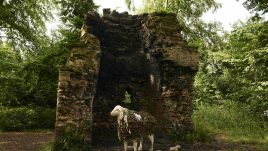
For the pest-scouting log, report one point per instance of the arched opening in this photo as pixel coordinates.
(130, 61)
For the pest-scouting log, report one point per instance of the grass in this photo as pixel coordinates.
(47, 147)
(231, 122)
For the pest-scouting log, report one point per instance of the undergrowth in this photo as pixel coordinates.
(72, 138)
(231, 122)
(46, 147)
(26, 118)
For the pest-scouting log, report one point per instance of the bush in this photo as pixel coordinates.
(46, 147)
(26, 118)
(71, 138)
(232, 122)
(199, 134)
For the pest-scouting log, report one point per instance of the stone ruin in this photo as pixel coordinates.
(144, 55)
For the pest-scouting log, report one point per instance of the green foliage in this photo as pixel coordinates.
(25, 118)
(40, 75)
(248, 36)
(127, 99)
(30, 78)
(10, 82)
(41, 72)
(238, 71)
(198, 134)
(130, 4)
(231, 122)
(188, 9)
(71, 139)
(189, 12)
(257, 5)
(72, 12)
(22, 22)
(47, 147)
(31, 82)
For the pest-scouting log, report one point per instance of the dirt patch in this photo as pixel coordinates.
(32, 141)
(190, 147)
(24, 141)
(216, 145)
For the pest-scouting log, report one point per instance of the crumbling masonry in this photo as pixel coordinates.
(143, 55)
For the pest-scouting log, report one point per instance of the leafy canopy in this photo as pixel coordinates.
(72, 11)
(189, 13)
(238, 71)
(9, 79)
(29, 75)
(22, 22)
(257, 5)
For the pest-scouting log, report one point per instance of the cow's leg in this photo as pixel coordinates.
(125, 145)
(135, 145)
(140, 147)
(151, 137)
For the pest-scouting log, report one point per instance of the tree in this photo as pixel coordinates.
(189, 13)
(130, 4)
(40, 74)
(72, 11)
(22, 22)
(257, 5)
(238, 72)
(31, 79)
(10, 82)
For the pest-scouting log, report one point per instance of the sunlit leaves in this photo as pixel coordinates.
(72, 11)
(22, 22)
(189, 13)
(238, 71)
(186, 8)
(249, 36)
(130, 4)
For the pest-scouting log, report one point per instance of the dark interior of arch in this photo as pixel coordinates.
(143, 55)
(123, 67)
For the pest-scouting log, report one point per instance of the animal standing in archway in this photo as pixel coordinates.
(133, 126)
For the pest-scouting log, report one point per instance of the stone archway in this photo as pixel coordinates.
(142, 54)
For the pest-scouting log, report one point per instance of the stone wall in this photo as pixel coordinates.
(76, 90)
(176, 65)
(144, 55)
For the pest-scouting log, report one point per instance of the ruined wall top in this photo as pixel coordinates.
(170, 45)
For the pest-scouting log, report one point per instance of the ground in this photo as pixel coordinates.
(24, 141)
(32, 141)
(217, 145)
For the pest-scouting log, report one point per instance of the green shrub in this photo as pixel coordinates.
(46, 147)
(26, 118)
(71, 139)
(198, 134)
(232, 122)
